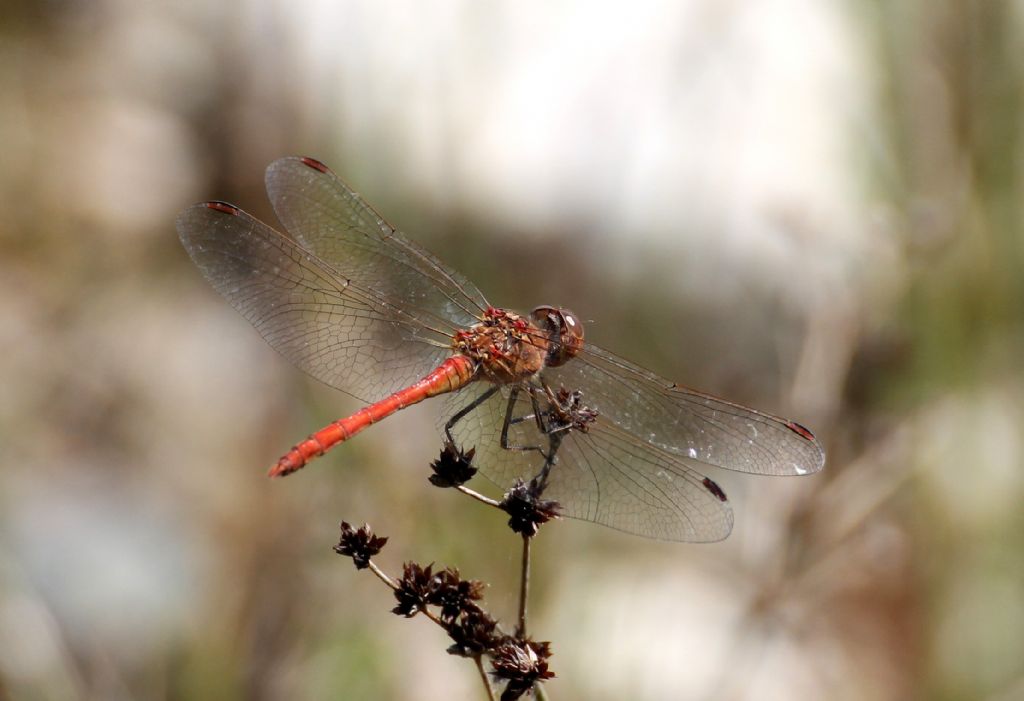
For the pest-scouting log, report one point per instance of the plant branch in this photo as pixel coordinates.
(483, 675)
(478, 496)
(524, 587)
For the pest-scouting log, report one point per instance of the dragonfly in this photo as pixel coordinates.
(356, 304)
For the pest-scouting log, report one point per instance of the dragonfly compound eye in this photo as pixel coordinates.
(565, 333)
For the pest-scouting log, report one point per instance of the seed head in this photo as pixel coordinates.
(453, 594)
(454, 467)
(522, 663)
(474, 633)
(414, 589)
(359, 544)
(526, 509)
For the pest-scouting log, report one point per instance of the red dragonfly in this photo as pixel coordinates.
(350, 300)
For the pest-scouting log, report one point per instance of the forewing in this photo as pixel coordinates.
(604, 475)
(331, 220)
(687, 423)
(349, 337)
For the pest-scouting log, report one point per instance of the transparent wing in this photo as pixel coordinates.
(604, 476)
(687, 423)
(356, 339)
(323, 214)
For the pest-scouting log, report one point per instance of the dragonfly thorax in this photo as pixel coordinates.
(506, 347)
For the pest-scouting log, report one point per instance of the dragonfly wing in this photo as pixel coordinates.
(604, 475)
(340, 333)
(480, 429)
(685, 422)
(607, 476)
(331, 220)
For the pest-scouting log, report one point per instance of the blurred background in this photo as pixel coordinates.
(815, 208)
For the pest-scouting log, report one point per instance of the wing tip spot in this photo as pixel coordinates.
(712, 486)
(801, 431)
(222, 207)
(314, 164)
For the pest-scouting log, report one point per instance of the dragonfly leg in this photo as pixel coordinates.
(465, 410)
(553, 422)
(510, 421)
(540, 417)
(565, 413)
(539, 482)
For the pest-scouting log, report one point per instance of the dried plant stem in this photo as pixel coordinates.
(478, 496)
(517, 660)
(479, 659)
(382, 575)
(524, 587)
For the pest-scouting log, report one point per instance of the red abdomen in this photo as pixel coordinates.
(452, 374)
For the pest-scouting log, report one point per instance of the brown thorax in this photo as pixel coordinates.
(506, 346)
(509, 347)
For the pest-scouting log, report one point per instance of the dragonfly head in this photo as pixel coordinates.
(564, 330)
